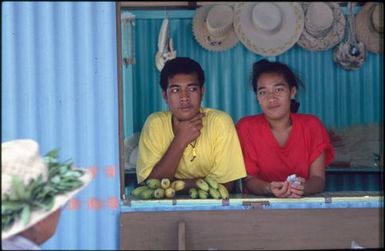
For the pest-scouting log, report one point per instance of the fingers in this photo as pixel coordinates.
(293, 195)
(280, 189)
(296, 191)
(188, 131)
(197, 124)
(297, 188)
(286, 189)
(197, 120)
(198, 116)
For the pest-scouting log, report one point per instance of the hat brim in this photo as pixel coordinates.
(265, 44)
(207, 41)
(36, 216)
(365, 31)
(332, 38)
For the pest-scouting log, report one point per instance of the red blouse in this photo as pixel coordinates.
(268, 161)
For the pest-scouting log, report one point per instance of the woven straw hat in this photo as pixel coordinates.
(324, 26)
(213, 27)
(369, 26)
(21, 159)
(268, 28)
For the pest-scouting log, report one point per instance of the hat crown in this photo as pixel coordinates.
(213, 27)
(219, 19)
(266, 16)
(377, 19)
(21, 158)
(318, 19)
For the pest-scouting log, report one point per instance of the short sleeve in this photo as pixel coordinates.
(320, 142)
(228, 160)
(149, 152)
(248, 151)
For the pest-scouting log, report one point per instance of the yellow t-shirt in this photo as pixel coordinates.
(218, 152)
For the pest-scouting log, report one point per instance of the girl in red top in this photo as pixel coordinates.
(279, 143)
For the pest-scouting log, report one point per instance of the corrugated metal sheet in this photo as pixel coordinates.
(339, 98)
(59, 87)
(361, 179)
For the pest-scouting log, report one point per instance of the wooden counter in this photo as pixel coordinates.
(325, 221)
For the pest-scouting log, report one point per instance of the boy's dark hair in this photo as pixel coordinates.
(179, 65)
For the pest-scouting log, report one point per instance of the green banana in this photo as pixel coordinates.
(153, 183)
(137, 191)
(169, 192)
(165, 183)
(159, 193)
(212, 182)
(223, 191)
(147, 194)
(201, 184)
(193, 193)
(214, 193)
(202, 194)
(178, 185)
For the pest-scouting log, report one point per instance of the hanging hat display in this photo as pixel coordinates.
(268, 28)
(324, 26)
(369, 26)
(213, 27)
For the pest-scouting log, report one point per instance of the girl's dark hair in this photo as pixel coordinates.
(265, 66)
(179, 65)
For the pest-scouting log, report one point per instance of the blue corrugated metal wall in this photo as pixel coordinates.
(339, 98)
(59, 87)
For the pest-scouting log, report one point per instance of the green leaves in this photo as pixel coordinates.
(25, 214)
(38, 194)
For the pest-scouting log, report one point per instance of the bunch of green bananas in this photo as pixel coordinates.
(208, 188)
(158, 189)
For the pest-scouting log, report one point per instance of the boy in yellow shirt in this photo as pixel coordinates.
(188, 141)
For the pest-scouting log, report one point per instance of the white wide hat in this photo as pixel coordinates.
(213, 27)
(268, 28)
(21, 166)
(370, 26)
(324, 26)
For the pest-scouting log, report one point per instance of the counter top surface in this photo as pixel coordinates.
(356, 199)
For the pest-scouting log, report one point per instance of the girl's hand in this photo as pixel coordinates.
(280, 189)
(297, 189)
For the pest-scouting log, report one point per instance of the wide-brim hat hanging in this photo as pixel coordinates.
(268, 28)
(324, 26)
(369, 26)
(213, 27)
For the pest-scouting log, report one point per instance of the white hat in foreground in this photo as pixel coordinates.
(370, 26)
(268, 28)
(32, 186)
(324, 26)
(213, 27)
